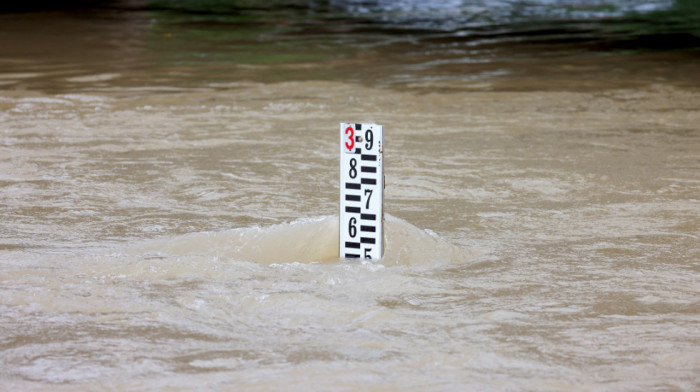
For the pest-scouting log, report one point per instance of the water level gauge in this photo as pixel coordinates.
(361, 191)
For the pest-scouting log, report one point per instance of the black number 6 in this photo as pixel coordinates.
(351, 227)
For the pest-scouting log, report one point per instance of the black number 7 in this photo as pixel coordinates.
(368, 197)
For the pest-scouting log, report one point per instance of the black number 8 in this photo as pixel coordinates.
(353, 170)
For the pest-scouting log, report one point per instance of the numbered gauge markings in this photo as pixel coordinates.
(361, 191)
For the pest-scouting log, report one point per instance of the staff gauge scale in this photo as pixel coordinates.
(361, 191)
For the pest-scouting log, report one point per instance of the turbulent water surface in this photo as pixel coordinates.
(169, 196)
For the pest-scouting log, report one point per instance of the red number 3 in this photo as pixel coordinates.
(351, 143)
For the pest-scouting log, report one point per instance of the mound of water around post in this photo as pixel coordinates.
(308, 240)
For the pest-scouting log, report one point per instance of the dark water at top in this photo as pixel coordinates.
(513, 45)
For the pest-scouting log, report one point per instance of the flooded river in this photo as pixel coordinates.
(169, 196)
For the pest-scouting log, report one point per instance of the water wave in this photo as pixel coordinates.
(308, 240)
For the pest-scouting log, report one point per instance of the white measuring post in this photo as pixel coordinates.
(361, 191)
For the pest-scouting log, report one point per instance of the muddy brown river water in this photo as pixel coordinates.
(169, 197)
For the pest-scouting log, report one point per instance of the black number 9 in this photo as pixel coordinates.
(370, 138)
